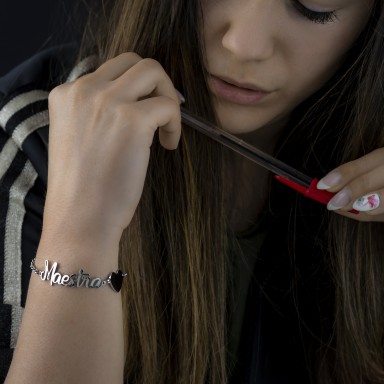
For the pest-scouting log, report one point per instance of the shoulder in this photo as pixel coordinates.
(42, 70)
(45, 70)
(24, 91)
(24, 123)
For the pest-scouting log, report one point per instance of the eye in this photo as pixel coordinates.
(316, 17)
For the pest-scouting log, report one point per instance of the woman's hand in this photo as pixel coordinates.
(101, 130)
(358, 185)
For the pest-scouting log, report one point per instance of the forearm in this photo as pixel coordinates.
(100, 137)
(71, 334)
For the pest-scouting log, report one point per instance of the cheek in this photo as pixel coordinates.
(212, 11)
(313, 59)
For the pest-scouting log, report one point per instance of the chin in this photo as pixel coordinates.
(241, 120)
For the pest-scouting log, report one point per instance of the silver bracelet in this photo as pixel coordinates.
(114, 280)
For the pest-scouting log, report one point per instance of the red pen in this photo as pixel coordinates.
(283, 172)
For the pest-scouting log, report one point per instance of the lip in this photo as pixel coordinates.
(237, 92)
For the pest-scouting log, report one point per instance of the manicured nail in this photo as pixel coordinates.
(367, 202)
(340, 200)
(181, 97)
(329, 180)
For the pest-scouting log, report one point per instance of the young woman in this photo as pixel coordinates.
(230, 276)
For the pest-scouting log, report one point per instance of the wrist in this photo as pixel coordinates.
(53, 274)
(81, 226)
(75, 250)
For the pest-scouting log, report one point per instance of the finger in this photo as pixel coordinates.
(146, 78)
(370, 207)
(363, 216)
(341, 176)
(116, 67)
(162, 113)
(358, 187)
(371, 203)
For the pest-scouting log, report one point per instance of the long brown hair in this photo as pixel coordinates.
(346, 113)
(358, 249)
(175, 249)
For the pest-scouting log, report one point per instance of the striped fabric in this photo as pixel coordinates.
(23, 178)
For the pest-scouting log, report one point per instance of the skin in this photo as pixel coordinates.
(358, 178)
(270, 44)
(98, 157)
(123, 103)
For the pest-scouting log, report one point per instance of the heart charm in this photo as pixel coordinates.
(116, 280)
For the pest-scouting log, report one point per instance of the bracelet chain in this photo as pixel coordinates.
(114, 280)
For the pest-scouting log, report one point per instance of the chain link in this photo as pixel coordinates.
(81, 279)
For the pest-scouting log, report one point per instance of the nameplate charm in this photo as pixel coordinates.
(81, 279)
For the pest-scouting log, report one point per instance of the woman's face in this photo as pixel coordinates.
(267, 56)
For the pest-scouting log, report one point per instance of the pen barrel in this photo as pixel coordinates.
(311, 191)
(319, 195)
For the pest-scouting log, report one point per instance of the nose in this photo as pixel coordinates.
(250, 31)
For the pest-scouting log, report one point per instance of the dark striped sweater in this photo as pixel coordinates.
(23, 178)
(271, 349)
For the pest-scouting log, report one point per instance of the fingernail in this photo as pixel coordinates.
(340, 200)
(367, 202)
(329, 180)
(181, 97)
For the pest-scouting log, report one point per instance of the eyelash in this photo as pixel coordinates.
(316, 17)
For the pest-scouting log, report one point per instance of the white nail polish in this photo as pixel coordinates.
(321, 185)
(329, 180)
(340, 200)
(181, 97)
(332, 207)
(367, 203)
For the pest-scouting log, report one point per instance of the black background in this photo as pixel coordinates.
(29, 26)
